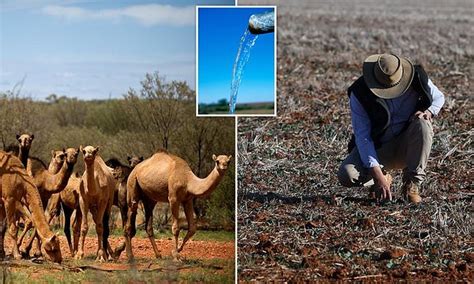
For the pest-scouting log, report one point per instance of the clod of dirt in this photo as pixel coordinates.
(264, 241)
(461, 267)
(469, 257)
(340, 273)
(311, 225)
(366, 223)
(393, 253)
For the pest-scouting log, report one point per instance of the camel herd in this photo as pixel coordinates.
(28, 186)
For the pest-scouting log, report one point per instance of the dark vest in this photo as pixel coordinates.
(377, 108)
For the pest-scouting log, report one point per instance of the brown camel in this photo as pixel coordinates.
(68, 199)
(96, 194)
(48, 184)
(168, 178)
(121, 173)
(18, 187)
(24, 143)
(57, 161)
(55, 165)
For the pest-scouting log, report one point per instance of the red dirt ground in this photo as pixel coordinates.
(142, 248)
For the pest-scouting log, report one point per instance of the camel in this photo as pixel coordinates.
(121, 173)
(96, 194)
(68, 199)
(18, 187)
(48, 184)
(57, 160)
(168, 178)
(24, 143)
(134, 160)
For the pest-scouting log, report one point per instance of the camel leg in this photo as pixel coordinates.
(76, 227)
(67, 227)
(25, 250)
(27, 221)
(10, 207)
(130, 229)
(54, 207)
(98, 217)
(28, 226)
(3, 228)
(122, 203)
(174, 205)
(107, 248)
(133, 196)
(38, 252)
(189, 211)
(84, 228)
(149, 206)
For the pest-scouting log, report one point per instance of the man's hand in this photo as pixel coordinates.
(382, 183)
(426, 115)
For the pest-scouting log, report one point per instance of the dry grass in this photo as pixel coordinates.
(295, 221)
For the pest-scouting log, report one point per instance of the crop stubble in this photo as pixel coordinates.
(295, 221)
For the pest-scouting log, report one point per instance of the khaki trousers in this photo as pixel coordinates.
(408, 151)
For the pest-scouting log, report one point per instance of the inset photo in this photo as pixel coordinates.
(236, 61)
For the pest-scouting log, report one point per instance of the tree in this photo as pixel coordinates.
(158, 107)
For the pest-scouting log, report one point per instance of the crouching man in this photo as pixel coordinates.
(392, 107)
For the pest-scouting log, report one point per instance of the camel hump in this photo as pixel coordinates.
(162, 150)
(36, 165)
(114, 163)
(13, 148)
(104, 174)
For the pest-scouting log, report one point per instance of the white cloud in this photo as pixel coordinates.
(148, 15)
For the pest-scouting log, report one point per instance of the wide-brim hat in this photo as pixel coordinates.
(387, 75)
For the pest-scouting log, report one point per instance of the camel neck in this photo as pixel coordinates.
(90, 178)
(54, 167)
(63, 175)
(34, 204)
(55, 183)
(23, 154)
(207, 185)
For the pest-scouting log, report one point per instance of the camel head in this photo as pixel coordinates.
(71, 155)
(51, 249)
(222, 162)
(89, 153)
(134, 160)
(25, 140)
(58, 157)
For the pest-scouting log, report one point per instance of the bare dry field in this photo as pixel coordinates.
(295, 221)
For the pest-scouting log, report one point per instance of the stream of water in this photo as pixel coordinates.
(247, 41)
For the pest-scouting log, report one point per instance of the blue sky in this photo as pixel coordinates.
(95, 49)
(220, 30)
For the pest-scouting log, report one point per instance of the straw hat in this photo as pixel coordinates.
(387, 75)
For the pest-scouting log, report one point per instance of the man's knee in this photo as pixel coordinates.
(423, 127)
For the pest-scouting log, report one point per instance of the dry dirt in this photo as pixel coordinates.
(202, 261)
(142, 248)
(296, 223)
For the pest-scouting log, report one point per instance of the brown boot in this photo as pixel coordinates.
(375, 192)
(411, 192)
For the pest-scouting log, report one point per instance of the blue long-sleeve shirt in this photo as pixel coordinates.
(401, 109)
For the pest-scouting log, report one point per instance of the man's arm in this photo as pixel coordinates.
(362, 127)
(438, 99)
(436, 104)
